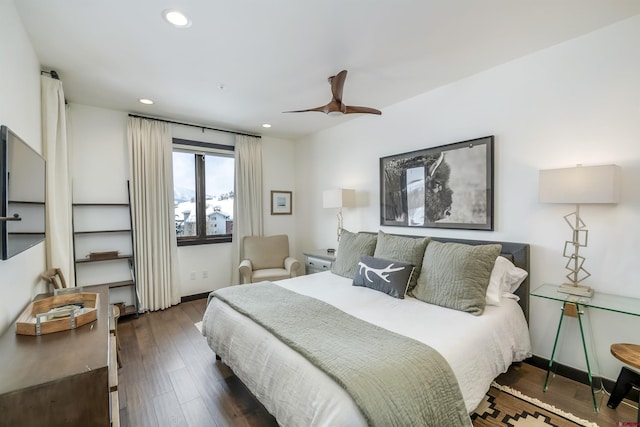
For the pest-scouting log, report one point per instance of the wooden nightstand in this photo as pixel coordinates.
(318, 261)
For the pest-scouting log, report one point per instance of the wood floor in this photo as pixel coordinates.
(169, 377)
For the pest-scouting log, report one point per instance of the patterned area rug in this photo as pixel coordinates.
(504, 406)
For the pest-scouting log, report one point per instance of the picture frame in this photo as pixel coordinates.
(450, 186)
(281, 202)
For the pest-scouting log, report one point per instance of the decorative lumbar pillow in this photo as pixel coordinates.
(404, 249)
(387, 276)
(455, 275)
(351, 248)
(505, 280)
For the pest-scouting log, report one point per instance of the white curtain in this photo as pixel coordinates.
(59, 231)
(247, 205)
(155, 247)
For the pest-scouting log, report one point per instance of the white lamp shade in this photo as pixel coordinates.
(338, 198)
(580, 185)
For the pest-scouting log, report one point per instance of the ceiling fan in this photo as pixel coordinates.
(336, 105)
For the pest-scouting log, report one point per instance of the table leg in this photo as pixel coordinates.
(586, 358)
(553, 352)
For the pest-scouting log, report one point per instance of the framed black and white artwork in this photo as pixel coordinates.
(450, 186)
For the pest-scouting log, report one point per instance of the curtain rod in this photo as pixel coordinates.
(192, 125)
(52, 73)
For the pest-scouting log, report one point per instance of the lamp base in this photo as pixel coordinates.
(583, 291)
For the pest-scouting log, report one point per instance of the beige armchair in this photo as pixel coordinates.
(267, 258)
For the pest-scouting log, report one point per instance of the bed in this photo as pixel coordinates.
(296, 388)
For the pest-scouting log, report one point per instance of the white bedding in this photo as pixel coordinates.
(478, 348)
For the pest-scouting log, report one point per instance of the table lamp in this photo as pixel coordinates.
(339, 198)
(578, 185)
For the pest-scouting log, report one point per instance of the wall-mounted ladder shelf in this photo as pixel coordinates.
(103, 251)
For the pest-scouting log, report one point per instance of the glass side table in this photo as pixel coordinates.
(573, 306)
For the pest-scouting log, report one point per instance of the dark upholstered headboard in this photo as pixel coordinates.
(518, 253)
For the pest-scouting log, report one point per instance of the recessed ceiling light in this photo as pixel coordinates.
(266, 125)
(145, 101)
(176, 18)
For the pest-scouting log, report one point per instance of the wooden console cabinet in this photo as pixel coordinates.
(63, 378)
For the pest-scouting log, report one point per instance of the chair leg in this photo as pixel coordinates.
(625, 381)
(116, 316)
(118, 349)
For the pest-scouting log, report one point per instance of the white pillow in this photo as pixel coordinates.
(505, 280)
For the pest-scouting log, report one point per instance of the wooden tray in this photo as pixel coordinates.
(32, 320)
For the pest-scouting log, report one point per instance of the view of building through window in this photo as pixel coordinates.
(210, 174)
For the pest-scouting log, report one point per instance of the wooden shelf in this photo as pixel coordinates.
(119, 284)
(102, 231)
(86, 260)
(113, 285)
(102, 204)
(22, 202)
(26, 233)
(128, 310)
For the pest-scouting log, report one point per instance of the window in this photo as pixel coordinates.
(203, 185)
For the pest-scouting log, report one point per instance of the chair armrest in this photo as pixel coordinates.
(246, 271)
(292, 265)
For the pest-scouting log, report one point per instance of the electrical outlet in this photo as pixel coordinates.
(193, 275)
(205, 274)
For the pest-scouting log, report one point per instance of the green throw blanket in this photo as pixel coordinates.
(394, 380)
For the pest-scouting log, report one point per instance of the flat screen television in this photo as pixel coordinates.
(23, 188)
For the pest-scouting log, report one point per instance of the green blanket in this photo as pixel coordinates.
(394, 380)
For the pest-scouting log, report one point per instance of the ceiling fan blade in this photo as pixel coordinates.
(337, 85)
(323, 109)
(363, 110)
(331, 107)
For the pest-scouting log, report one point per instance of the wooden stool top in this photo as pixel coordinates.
(627, 353)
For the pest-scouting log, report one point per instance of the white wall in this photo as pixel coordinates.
(20, 111)
(577, 102)
(99, 165)
(279, 174)
(101, 168)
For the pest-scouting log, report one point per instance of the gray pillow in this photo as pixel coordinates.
(389, 277)
(403, 249)
(351, 248)
(456, 276)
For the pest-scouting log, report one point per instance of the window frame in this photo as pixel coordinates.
(200, 149)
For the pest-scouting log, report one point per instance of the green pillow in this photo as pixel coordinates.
(456, 276)
(351, 248)
(403, 249)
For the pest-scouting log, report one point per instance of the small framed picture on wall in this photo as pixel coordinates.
(281, 202)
